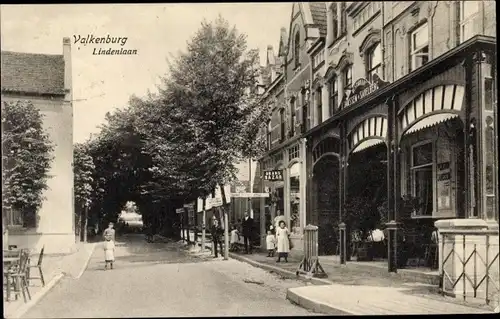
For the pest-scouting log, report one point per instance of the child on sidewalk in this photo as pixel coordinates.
(270, 243)
(109, 252)
(235, 238)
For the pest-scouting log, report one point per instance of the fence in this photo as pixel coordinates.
(310, 265)
(469, 263)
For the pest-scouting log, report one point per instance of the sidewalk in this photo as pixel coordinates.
(54, 269)
(361, 281)
(370, 300)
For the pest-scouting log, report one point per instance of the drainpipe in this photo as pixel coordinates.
(382, 40)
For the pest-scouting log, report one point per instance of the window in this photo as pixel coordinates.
(297, 49)
(468, 11)
(343, 19)
(319, 105)
(268, 134)
(14, 217)
(318, 58)
(305, 118)
(282, 124)
(292, 112)
(367, 13)
(334, 95)
(419, 53)
(421, 175)
(335, 21)
(374, 62)
(490, 150)
(347, 79)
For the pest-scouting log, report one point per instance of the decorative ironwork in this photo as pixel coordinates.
(464, 258)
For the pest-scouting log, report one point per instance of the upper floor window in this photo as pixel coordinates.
(282, 124)
(468, 11)
(347, 74)
(335, 20)
(334, 95)
(362, 17)
(319, 105)
(296, 49)
(268, 134)
(419, 47)
(343, 18)
(292, 113)
(318, 58)
(374, 61)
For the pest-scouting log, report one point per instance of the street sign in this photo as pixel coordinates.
(179, 210)
(275, 175)
(250, 195)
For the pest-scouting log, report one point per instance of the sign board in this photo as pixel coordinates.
(214, 202)
(274, 175)
(362, 88)
(179, 210)
(190, 210)
(250, 195)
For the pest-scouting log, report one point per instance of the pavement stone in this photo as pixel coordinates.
(370, 300)
(54, 268)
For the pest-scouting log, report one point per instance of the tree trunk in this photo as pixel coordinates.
(85, 223)
(225, 208)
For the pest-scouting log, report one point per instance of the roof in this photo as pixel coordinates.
(318, 11)
(32, 73)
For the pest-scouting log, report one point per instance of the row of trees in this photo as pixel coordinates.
(172, 147)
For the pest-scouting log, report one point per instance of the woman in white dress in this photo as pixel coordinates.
(283, 245)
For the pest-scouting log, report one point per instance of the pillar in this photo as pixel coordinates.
(393, 183)
(342, 194)
(263, 230)
(286, 188)
(303, 184)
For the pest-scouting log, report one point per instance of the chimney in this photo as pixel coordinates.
(270, 60)
(68, 79)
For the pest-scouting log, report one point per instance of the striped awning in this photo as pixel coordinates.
(366, 144)
(443, 100)
(431, 121)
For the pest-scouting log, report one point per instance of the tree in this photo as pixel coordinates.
(83, 167)
(26, 158)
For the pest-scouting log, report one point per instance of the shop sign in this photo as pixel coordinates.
(362, 88)
(274, 175)
(179, 210)
(250, 195)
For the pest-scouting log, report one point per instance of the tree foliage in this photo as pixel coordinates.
(26, 158)
(169, 148)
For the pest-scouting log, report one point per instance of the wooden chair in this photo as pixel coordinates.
(39, 266)
(18, 276)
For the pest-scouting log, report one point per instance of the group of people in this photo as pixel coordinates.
(109, 246)
(278, 240)
(244, 227)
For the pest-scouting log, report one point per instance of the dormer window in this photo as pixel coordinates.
(296, 49)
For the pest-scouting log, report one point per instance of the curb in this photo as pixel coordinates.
(36, 298)
(87, 262)
(285, 273)
(316, 306)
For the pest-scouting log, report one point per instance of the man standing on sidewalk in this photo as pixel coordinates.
(216, 232)
(247, 226)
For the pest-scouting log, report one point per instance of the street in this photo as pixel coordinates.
(163, 280)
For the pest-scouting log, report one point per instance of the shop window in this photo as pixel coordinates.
(419, 47)
(334, 95)
(296, 49)
(468, 12)
(422, 178)
(282, 124)
(295, 198)
(374, 61)
(319, 106)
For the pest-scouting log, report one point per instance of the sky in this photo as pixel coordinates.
(157, 31)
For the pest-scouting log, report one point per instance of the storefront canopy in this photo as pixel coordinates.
(431, 121)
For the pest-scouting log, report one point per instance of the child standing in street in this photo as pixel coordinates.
(109, 252)
(270, 243)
